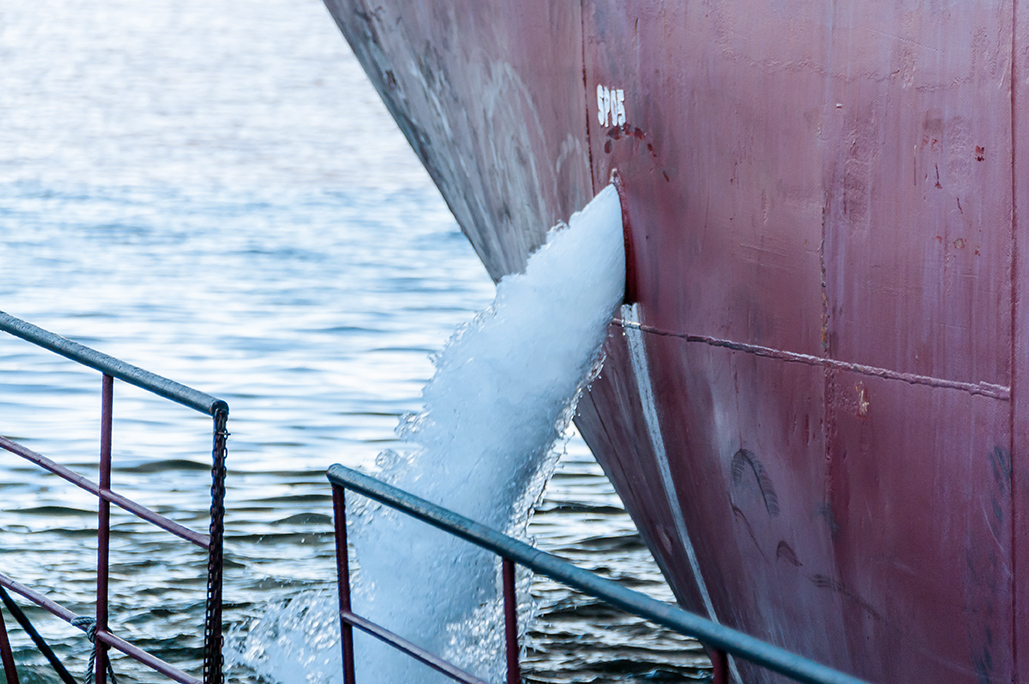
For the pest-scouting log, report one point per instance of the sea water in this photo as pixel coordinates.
(213, 191)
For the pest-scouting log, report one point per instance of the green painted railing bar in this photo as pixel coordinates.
(169, 389)
(689, 624)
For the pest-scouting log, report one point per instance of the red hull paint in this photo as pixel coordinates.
(825, 251)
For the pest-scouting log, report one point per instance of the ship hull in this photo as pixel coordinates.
(811, 407)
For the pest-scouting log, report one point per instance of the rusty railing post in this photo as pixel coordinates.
(514, 670)
(720, 667)
(6, 654)
(104, 526)
(339, 509)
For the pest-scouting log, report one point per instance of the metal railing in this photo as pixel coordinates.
(722, 640)
(112, 369)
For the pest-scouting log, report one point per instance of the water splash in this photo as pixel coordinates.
(293, 643)
(504, 390)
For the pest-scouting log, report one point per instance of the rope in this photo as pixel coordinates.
(89, 624)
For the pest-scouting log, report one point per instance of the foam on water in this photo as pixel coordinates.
(504, 390)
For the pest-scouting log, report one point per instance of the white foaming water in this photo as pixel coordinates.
(504, 390)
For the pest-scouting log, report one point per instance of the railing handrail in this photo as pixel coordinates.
(112, 369)
(667, 615)
(169, 389)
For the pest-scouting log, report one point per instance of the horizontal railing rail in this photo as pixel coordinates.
(81, 354)
(122, 502)
(97, 627)
(721, 639)
(82, 622)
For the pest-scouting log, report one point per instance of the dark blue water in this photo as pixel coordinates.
(214, 192)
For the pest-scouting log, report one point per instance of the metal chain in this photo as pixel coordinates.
(213, 619)
(89, 624)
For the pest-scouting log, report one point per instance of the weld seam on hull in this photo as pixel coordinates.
(641, 369)
(985, 389)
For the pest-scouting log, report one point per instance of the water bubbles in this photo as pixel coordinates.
(504, 391)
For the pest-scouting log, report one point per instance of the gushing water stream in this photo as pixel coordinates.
(504, 390)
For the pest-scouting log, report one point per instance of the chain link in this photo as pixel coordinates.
(213, 619)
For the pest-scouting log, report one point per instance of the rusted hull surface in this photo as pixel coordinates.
(816, 406)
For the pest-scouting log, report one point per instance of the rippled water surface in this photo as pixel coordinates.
(212, 190)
